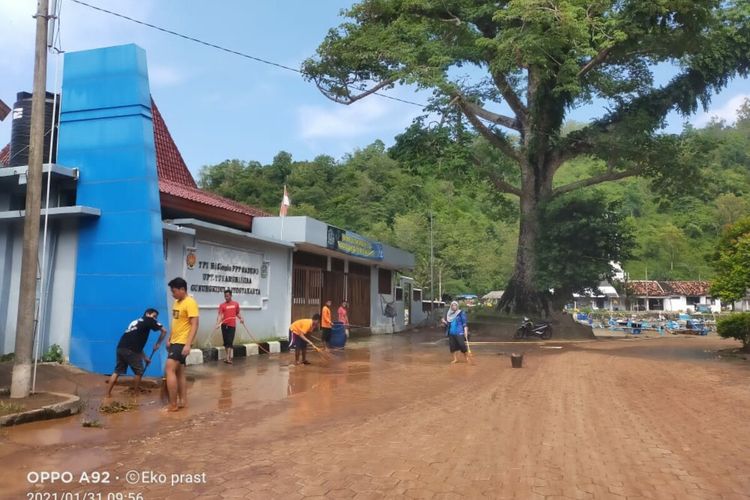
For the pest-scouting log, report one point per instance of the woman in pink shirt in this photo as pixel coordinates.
(344, 315)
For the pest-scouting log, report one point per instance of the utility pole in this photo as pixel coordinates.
(440, 284)
(432, 268)
(21, 378)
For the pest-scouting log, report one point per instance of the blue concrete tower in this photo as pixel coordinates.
(106, 131)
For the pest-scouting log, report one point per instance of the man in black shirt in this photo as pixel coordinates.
(130, 348)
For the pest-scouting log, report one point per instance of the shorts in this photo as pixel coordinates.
(175, 353)
(325, 334)
(125, 358)
(298, 342)
(457, 343)
(227, 334)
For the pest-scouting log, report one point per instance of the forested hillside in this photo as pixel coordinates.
(389, 194)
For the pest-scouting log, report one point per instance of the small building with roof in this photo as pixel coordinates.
(671, 296)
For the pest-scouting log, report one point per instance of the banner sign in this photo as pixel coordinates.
(216, 268)
(353, 244)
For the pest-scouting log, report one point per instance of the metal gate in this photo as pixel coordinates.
(307, 288)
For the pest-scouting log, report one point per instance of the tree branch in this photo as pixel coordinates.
(594, 62)
(510, 96)
(505, 121)
(500, 184)
(504, 186)
(493, 138)
(682, 93)
(349, 98)
(597, 179)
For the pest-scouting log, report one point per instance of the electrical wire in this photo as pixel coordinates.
(225, 49)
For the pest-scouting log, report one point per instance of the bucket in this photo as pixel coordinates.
(338, 335)
(516, 360)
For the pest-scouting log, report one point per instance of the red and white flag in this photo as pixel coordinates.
(285, 202)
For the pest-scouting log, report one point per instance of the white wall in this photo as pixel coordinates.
(382, 324)
(675, 304)
(55, 323)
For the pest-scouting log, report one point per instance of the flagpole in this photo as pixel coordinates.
(282, 211)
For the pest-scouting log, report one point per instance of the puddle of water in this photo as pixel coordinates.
(250, 383)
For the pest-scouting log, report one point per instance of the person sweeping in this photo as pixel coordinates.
(457, 330)
(130, 348)
(298, 332)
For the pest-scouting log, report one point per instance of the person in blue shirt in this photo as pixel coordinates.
(457, 330)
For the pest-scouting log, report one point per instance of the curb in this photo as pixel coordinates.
(58, 410)
(206, 354)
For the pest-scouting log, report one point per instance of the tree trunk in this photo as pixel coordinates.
(521, 295)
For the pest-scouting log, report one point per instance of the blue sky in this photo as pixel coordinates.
(220, 106)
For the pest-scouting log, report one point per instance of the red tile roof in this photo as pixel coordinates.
(650, 288)
(169, 162)
(668, 288)
(207, 198)
(175, 179)
(687, 288)
(5, 156)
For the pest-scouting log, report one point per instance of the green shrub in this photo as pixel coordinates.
(54, 354)
(736, 326)
(7, 357)
(7, 408)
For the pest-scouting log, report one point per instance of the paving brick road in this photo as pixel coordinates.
(662, 418)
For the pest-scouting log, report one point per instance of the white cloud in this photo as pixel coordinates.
(368, 116)
(727, 112)
(165, 76)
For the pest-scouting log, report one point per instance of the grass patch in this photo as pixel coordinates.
(117, 407)
(7, 357)
(7, 408)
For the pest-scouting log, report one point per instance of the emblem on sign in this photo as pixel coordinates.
(191, 259)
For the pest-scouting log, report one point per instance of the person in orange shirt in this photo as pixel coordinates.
(326, 323)
(298, 332)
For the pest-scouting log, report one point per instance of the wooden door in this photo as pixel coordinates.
(359, 299)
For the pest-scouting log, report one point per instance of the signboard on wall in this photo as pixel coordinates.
(216, 268)
(353, 244)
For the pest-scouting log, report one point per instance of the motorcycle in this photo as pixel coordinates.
(529, 329)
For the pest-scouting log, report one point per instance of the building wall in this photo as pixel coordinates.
(54, 327)
(266, 314)
(106, 131)
(675, 304)
(380, 323)
(11, 241)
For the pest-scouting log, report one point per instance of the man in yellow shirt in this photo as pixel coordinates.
(184, 328)
(298, 332)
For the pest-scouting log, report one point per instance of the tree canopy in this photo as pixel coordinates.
(732, 260)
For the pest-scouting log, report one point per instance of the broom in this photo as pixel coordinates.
(468, 348)
(255, 340)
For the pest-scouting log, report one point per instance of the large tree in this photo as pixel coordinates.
(516, 68)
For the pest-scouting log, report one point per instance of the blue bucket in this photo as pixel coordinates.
(338, 335)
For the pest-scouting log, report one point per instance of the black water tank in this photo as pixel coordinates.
(21, 129)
